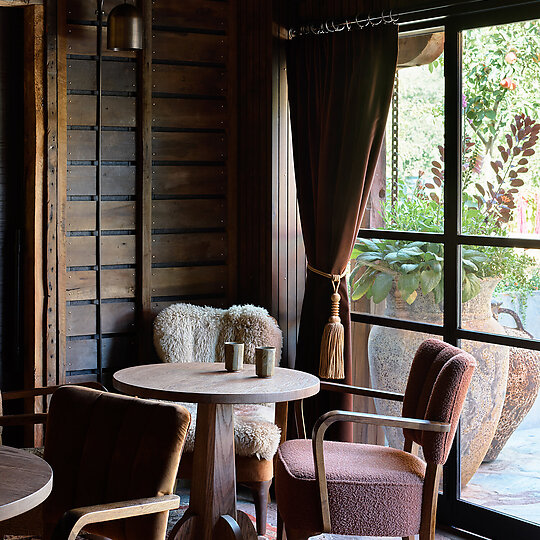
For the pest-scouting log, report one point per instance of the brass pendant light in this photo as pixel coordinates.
(124, 28)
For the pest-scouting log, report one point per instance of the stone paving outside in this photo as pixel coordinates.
(511, 483)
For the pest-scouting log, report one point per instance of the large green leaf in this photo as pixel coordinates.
(366, 245)
(411, 251)
(470, 287)
(362, 285)
(408, 283)
(368, 256)
(429, 279)
(407, 268)
(381, 287)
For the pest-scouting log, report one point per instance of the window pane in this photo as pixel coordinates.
(500, 431)
(501, 291)
(398, 279)
(501, 103)
(382, 359)
(407, 192)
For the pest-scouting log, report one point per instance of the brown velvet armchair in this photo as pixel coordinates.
(114, 461)
(370, 490)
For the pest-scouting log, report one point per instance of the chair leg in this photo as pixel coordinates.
(429, 501)
(260, 491)
(281, 535)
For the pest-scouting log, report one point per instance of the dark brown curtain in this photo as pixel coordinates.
(340, 88)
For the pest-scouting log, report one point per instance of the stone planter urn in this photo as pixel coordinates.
(391, 350)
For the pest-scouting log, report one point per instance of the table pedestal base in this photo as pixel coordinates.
(212, 510)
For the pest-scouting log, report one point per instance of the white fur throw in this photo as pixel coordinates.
(189, 333)
(255, 433)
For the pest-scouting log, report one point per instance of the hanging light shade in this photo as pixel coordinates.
(124, 28)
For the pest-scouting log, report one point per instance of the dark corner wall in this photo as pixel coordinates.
(11, 197)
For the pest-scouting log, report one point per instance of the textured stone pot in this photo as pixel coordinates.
(391, 351)
(521, 392)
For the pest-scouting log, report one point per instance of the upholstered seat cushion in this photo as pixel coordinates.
(255, 433)
(370, 488)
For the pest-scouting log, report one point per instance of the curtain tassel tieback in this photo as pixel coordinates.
(331, 363)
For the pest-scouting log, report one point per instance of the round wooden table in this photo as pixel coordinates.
(25, 481)
(212, 509)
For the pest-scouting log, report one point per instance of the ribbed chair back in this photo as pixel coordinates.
(436, 389)
(104, 448)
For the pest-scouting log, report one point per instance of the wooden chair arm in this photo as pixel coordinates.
(23, 419)
(74, 520)
(45, 390)
(327, 419)
(343, 389)
(360, 391)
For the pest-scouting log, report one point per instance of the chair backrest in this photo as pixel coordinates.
(104, 448)
(436, 390)
(189, 333)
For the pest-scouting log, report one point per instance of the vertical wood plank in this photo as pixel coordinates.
(144, 186)
(51, 194)
(232, 155)
(61, 191)
(34, 152)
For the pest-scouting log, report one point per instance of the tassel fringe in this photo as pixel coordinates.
(331, 363)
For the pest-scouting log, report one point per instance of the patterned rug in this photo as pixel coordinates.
(245, 504)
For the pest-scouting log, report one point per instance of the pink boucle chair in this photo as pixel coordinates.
(371, 490)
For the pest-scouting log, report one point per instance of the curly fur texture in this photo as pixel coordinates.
(189, 333)
(255, 433)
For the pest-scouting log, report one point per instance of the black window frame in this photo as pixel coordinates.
(453, 511)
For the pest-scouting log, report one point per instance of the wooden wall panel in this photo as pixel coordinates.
(189, 47)
(115, 249)
(190, 180)
(203, 14)
(190, 80)
(81, 40)
(117, 76)
(117, 145)
(170, 146)
(115, 180)
(117, 283)
(167, 177)
(188, 113)
(288, 257)
(194, 169)
(115, 215)
(118, 317)
(188, 214)
(189, 248)
(189, 280)
(116, 111)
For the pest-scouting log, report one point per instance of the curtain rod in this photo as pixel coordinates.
(404, 17)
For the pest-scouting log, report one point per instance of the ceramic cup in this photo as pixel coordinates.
(265, 358)
(234, 356)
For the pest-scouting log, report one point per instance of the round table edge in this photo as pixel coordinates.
(233, 399)
(21, 506)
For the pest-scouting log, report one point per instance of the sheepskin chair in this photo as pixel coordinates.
(189, 333)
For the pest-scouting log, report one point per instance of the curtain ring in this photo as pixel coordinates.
(348, 25)
(372, 21)
(389, 20)
(359, 23)
(327, 26)
(395, 19)
(339, 27)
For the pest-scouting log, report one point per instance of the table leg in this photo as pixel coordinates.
(213, 483)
